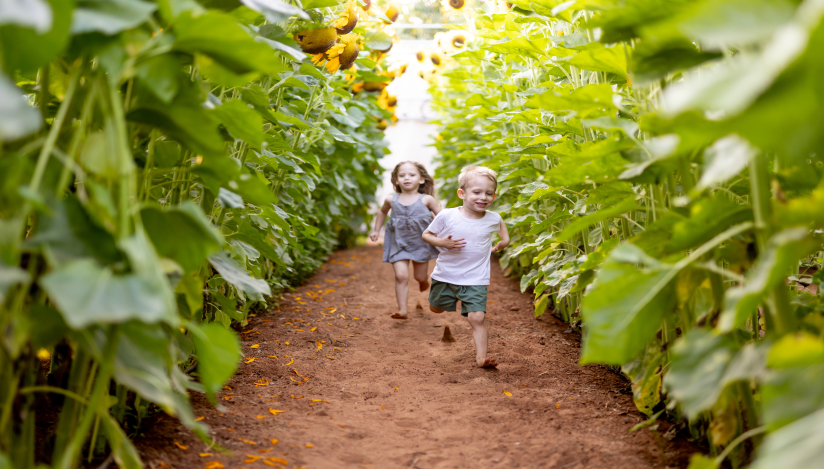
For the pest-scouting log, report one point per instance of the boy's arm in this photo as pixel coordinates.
(432, 204)
(504, 234)
(379, 219)
(448, 242)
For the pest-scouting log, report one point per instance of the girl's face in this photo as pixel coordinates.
(409, 178)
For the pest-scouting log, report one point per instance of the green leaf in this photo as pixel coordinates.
(703, 364)
(799, 445)
(624, 306)
(218, 353)
(124, 453)
(309, 4)
(183, 120)
(110, 16)
(233, 274)
(9, 277)
(699, 461)
(585, 222)
(599, 58)
(541, 305)
(161, 74)
(241, 121)
(784, 250)
(793, 350)
(275, 11)
(105, 155)
(726, 158)
(194, 240)
(378, 40)
(32, 14)
(86, 294)
(219, 36)
(24, 49)
(583, 99)
(296, 54)
(17, 117)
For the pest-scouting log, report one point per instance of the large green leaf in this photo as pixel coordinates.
(799, 445)
(109, 16)
(624, 306)
(783, 252)
(219, 36)
(9, 277)
(27, 49)
(218, 353)
(704, 363)
(602, 59)
(33, 14)
(606, 213)
(233, 274)
(194, 240)
(584, 99)
(17, 117)
(241, 121)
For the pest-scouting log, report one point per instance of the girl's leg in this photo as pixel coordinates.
(401, 288)
(480, 332)
(421, 272)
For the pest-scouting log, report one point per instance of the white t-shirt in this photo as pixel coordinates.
(469, 265)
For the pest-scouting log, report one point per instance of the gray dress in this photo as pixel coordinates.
(402, 239)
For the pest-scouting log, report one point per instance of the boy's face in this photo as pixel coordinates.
(479, 194)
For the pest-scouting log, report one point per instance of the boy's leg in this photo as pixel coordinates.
(421, 273)
(401, 288)
(480, 332)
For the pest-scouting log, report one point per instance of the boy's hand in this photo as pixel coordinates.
(452, 244)
(374, 236)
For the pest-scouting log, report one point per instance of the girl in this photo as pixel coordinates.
(413, 206)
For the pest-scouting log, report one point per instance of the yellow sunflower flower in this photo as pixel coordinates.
(340, 56)
(456, 5)
(348, 18)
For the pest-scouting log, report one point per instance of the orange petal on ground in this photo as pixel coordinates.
(290, 361)
(249, 360)
(204, 455)
(330, 281)
(396, 388)
(164, 465)
(183, 447)
(213, 465)
(260, 417)
(199, 419)
(297, 397)
(273, 356)
(310, 445)
(262, 382)
(558, 405)
(341, 426)
(267, 461)
(254, 346)
(275, 412)
(313, 329)
(317, 400)
(327, 356)
(275, 441)
(507, 393)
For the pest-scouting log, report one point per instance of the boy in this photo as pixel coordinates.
(463, 235)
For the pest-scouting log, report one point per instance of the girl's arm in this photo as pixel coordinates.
(504, 234)
(379, 219)
(432, 204)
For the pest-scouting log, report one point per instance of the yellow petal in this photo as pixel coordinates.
(507, 393)
(275, 412)
(184, 448)
(290, 361)
(310, 445)
(199, 419)
(254, 346)
(275, 440)
(249, 360)
(204, 455)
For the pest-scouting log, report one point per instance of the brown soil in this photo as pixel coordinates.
(388, 393)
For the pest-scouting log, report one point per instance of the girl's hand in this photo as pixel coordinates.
(452, 244)
(498, 247)
(374, 236)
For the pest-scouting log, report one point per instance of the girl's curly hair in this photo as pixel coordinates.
(428, 186)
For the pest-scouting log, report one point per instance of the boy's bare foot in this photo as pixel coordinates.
(488, 363)
(435, 310)
(447, 334)
(424, 285)
(399, 316)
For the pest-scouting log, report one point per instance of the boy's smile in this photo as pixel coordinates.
(478, 195)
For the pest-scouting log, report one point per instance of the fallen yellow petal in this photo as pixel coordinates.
(204, 455)
(317, 400)
(313, 329)
(249, 360)
(327, 356)
(273, 356)
(341, 426)
(184, 448)
(275, 440)
(507, 393)
(290, 361)
(558, 405)
(310, 445)
(254, 346)
(298, 397)
(213, 465)
(261, 417)
(275, 412)
(262, 382)
(277, 460)
(199, 419)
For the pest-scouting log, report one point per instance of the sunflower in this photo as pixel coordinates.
(348, 18)
(420, 55)
(316, 41)
(456, 5)
(436, 59)
(392, 13)
(340, 56)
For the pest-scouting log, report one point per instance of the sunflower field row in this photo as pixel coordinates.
(165, 168)
(661, 173)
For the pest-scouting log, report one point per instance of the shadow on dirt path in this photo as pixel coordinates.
(358, 389)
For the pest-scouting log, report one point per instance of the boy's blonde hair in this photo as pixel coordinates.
(470, 172)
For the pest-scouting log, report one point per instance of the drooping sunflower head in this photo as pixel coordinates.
(340, 56)
(315, 41)
(420, 56)
(455, 4)
(458, 41)
(348, 18)
(392, 13)
(349, 54)
(367, 4)
(436, 59)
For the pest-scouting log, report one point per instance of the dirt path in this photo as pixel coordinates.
(385, 393)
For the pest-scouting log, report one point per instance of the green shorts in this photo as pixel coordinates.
(445, 295)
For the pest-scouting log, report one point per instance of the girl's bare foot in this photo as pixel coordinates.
(424, 285)
(488, 363)
(399, 316)
(435, 310)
